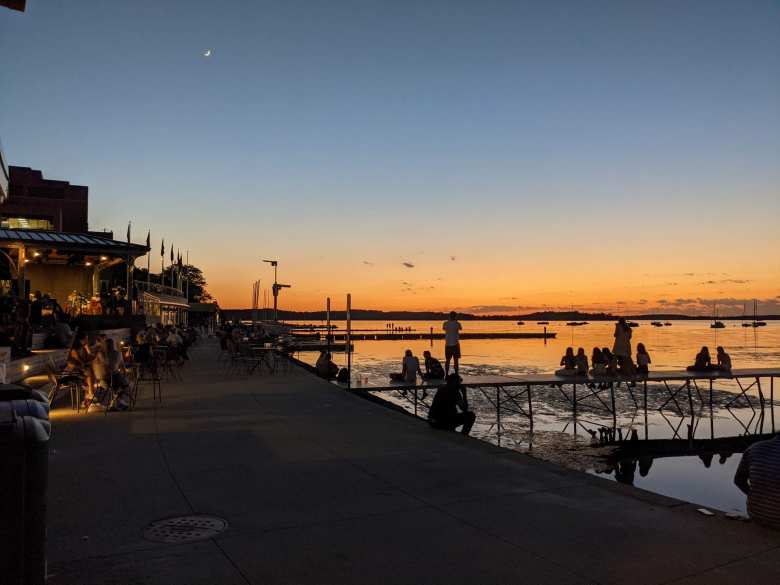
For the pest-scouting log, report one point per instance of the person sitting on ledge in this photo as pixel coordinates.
(450, 398)
(433, 368)
(325, 366)
(703, 361)
(410, 367)
(758, 476)
(724, 360)
(569, 363)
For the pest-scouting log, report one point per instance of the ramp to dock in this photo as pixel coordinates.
(320, 486)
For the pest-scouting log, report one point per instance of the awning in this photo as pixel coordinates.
(69, 242)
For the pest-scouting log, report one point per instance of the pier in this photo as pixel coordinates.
(317, 485)
(412, 335)
(509, 395)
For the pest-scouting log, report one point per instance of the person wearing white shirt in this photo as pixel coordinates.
(452, 329)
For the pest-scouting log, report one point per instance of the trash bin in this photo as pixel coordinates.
(24, 466)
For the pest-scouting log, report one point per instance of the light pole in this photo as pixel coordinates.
(276, 288)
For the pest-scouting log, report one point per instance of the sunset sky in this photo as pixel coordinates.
(487, 156)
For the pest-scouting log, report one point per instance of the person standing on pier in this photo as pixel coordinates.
(452, 329)
(622, 346)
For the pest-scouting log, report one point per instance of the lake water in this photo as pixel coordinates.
(705, 481)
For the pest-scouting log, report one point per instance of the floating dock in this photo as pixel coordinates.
(406, 335)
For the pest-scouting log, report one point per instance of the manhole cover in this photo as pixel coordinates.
(184, 529)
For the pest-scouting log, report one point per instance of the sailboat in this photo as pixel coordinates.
(756, 322)
(716, 324)
(744, 324)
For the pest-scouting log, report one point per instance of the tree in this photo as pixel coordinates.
(197, 292)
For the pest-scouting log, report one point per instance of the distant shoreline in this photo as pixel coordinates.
(391, 316)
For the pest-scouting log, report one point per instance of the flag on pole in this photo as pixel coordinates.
(128, 232)
(171, 254)
(149, 239)
(162, 248)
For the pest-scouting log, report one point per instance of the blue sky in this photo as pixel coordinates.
(329, 133)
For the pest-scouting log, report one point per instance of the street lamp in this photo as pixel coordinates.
(276, 287)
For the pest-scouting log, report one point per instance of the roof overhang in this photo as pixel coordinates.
(69, 243)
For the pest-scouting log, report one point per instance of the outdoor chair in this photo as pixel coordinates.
(64, 382)
(146, 373)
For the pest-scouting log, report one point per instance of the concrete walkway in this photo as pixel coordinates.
(320, 486)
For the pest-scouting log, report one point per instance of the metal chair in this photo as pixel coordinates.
(64, 382)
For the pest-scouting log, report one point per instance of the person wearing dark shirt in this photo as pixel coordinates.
(449, 408)
(433, 367)
(325, 366)
(703, 361)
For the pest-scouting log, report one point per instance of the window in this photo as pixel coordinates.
(25, 223)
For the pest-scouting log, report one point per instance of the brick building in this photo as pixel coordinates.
(35, 202)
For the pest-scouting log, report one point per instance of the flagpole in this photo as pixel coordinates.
(128, 296)
(148, 260)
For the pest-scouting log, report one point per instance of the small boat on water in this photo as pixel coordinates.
(542, 322)
(656, 324)
(633, 324)
(667, 324)
(576, 323)
(756, 322)
(521, 322)
(716, 323)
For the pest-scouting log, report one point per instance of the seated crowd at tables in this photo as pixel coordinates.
(104, 370)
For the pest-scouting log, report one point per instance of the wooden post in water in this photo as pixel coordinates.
(349, 341)
(431, 336)
(327, 328)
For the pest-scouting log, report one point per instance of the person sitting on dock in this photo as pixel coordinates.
(642, 359)
(758, 476)
(569, 363)
(598, 363)
(433, 368)
(325, 366)
(410, 367)
(724, 360)
(581, 361)
(444, 414)
(452, 329)
(610, 360)
(703, 361)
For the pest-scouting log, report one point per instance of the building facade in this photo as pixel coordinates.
(35, 202)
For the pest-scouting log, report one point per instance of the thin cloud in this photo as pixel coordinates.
(407, 264)
(367, 263)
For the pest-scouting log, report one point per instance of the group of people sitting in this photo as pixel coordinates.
(103, 367)
(410, 368)
(604, 362)
(174, 340)
(703, 361)
(100, 366)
